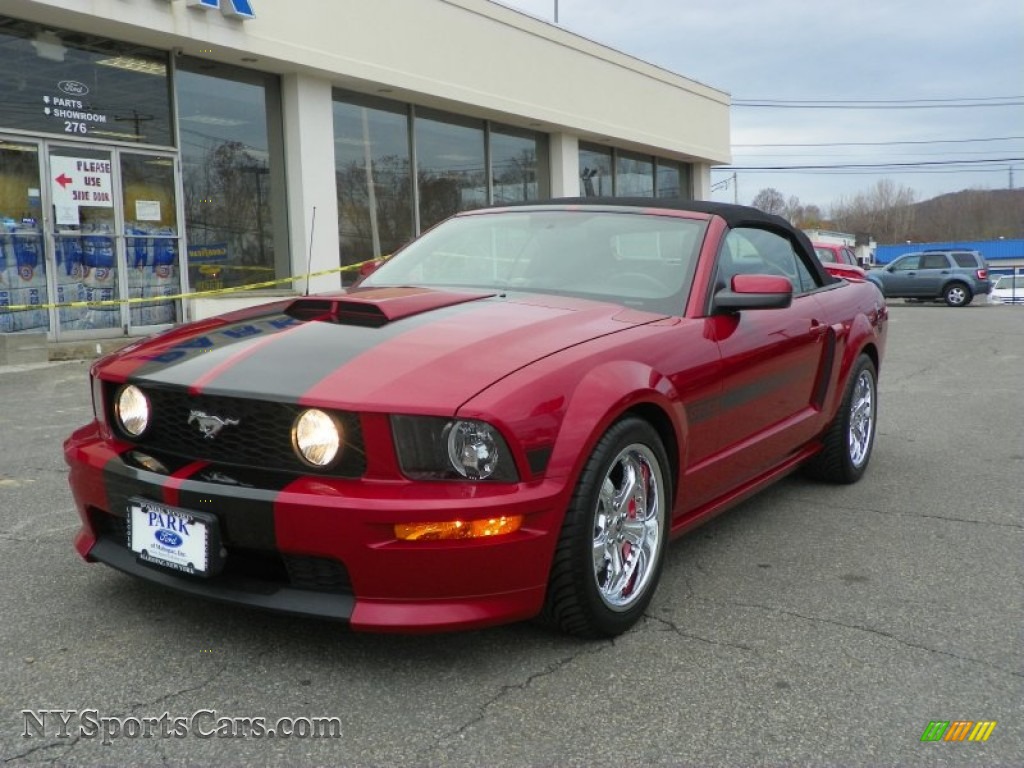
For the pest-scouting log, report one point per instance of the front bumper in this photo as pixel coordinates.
(325, 547)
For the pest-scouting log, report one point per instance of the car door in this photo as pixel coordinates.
(933, 272)
(771, 361)
(901, 276)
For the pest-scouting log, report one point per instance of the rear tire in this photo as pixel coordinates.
(957, 295)
(612, 545)
(851, 436)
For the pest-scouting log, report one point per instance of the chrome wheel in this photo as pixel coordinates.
(847, 443)
(629, 524)
(957, 295)
(862, 418)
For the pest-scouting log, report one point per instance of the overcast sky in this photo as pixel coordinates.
(969, 54)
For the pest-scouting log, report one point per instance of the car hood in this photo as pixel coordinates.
(408, 349)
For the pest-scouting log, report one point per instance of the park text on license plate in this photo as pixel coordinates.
(172, 538)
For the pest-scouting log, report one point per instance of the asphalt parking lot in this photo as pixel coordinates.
(813, 625)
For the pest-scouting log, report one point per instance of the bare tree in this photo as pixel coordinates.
(770, 200)
(885, 212)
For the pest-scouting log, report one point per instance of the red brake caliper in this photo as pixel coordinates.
(627, 546)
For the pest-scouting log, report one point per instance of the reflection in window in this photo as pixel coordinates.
(81, 86)
(634, 175)
(374, 171)
(515, 159)
(450, 166)
(373, 177)
(151, 241)
(232, 175)
(595, 171)
(672, 179)
(606, 172)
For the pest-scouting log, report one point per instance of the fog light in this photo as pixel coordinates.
(458, 529)
(317, 437)
(132, 409)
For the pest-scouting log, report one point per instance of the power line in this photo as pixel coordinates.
(883, 143)
(879, 101)
(877, 166)
(877, 172)
(857, 106)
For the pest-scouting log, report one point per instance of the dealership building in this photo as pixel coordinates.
(154, 148)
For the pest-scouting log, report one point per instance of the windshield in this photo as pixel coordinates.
(639, 260)
(1009, 282)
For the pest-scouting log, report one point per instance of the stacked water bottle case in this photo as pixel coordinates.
(22, 276)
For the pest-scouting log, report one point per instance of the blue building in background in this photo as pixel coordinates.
(1003, 256)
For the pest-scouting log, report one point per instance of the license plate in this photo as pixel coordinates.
(172, 538)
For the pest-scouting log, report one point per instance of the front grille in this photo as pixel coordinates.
(317, 573)
(261, 439)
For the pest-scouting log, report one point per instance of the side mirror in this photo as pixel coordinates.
(755, 292)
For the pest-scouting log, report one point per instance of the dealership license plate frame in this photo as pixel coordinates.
(204, 555)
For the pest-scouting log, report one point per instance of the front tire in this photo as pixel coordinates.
(851, 436)
(612, 545)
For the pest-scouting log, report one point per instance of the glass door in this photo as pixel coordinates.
(152, 243)
(85, 232)
(23, 278)
(114, 232)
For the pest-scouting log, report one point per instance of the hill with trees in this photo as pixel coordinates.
(889, 214)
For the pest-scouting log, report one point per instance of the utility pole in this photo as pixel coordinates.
(1011, 177)
(556, 16)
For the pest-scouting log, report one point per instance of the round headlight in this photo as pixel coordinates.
(317, 437)
(473, 449)
(132, 409)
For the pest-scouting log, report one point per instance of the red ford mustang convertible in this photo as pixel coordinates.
(509, 419)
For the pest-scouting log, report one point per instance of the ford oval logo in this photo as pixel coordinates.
(73, 87)
(169, 538)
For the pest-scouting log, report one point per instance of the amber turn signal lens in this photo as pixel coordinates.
(458, 529)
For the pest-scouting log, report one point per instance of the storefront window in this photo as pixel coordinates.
(374, 177)
(595, 171)
(634, 175)
(80, 86)
(519, 162)
(450, 168)
(232, 175)
(673, 179)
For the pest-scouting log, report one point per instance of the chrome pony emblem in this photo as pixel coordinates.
(210, 426)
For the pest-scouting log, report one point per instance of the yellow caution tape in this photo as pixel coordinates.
(176, 296)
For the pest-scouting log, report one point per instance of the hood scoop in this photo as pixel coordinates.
(376, 307)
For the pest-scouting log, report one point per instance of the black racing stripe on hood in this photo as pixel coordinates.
(213, 345)
(287, 367)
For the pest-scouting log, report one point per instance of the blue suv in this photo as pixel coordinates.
(954, 276)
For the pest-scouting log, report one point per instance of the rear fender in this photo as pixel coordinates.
(862, 336)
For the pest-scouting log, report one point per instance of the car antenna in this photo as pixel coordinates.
(309, 261)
